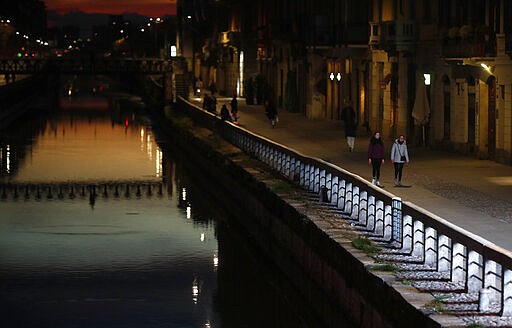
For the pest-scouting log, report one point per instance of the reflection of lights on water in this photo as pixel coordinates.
(149, 147)
(215, 260)
(141, 139)
(203, 236)
(195, 291)
(183, 194)
(189, 212)
(147, 143)
(158, 162)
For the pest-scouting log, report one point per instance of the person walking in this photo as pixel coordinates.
(234, 109)
(348, 115)
(198, 87)
(376, 157)
(224, 114)
(271, 111)
(399, 157)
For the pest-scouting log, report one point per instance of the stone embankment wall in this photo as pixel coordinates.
(341, 283)
(17, 98)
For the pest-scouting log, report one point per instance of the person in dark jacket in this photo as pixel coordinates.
(234, 109)
(224, 114)
(399, 157)
(349, 117)
(376, 157)
(271, 112)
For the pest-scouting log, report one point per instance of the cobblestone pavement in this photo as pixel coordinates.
(473, 194)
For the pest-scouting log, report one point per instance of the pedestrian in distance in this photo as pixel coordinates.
(224, 114)
(198, 87)
(206, 102)
(213, 104)
(399, 157)
(210, 104)
(348, 115)
(271, 112)
(376, 157)
(234, 109)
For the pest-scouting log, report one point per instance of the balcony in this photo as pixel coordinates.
(340, 34)
(466, 49)
(465, 41)
(401, 34)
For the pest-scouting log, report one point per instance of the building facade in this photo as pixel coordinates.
(461, 49)
(439, 72)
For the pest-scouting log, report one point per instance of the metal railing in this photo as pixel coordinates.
(84, 65)
(466, 263)
(72, 190)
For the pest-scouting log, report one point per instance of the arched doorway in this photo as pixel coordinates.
(471, 127)
(334, 89)
(491, 141)
(382, 89)
(446, 108)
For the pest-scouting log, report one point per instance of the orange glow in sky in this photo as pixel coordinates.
(151, 8)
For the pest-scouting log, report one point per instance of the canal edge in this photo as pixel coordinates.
(374, 297)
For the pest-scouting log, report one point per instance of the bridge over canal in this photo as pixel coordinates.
(86, 65)
(174, 81)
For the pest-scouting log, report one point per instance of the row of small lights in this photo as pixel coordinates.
(157, 20)
(46, 43)
(8, 21)
(25, 36)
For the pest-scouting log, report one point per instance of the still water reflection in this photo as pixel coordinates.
(158, 258)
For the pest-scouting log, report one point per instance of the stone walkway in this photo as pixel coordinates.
(470, 193)
(473, 194)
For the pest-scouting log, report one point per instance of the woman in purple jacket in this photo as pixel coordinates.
(376, 157)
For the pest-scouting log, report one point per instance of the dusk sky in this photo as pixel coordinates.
(151, 8)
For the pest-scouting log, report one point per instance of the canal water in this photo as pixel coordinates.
(102, 226)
